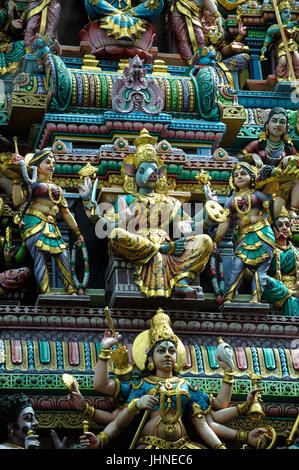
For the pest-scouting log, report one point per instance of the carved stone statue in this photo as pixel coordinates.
(273, 36)
(139, 224)
(186, 24)
(274, 148)
(166, 397)
(11, 46)
(119, 28)
(17, 423)
(41, 16)
(134, 92)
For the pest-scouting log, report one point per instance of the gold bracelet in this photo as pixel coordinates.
(86, 203)
(103, 438)
(105, 354)
(76, 231)
(132, 407)
(216, 14)
(88, 410)
(217, 238)
(221, 446)
(228, 377)
(243, 408)
(242, 436)
(172, 248)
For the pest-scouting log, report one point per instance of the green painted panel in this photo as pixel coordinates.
(269, 357)
(211, 350)
(44, 352)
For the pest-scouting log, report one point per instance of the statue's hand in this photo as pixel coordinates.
(32, 442)
(147, 402)
(124, 211)
(76, 398)
(108, 341)
(251, 395)
(257, 160)
(17, 24)
(89, 441)
(255, 435)
(179, 246)
(185, 227)
(242, 29)
(218, 23)
(85, 189)
(58, 443)
(224, 365)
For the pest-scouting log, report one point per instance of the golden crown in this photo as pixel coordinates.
(160, 329)
(284, 213)
(283, 4)
(145, 151)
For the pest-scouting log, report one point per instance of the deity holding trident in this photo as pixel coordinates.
(285, 36)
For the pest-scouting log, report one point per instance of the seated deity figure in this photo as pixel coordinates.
(274, 148)
(166, 396)
(139, 227)
(120, 19)
(274, 36)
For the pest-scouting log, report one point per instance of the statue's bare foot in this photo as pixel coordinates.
(254, 299)
(186, 291)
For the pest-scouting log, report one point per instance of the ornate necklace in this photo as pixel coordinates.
(272, 147)
(12, 445)
(56, 202)
(245, 199)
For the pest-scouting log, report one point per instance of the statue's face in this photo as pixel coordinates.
(286, 15)
(277, 125)
(164, 357)
(241, 178)
(147, 175)
(46, 167)
(25, 422)
(284, 226)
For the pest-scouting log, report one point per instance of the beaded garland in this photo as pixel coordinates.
(83, 284)
(216, 274)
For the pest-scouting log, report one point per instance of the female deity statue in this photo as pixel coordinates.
(17, 423)
(121, 20)
(255, 241)
(139, 227)
(38, 225)
(273, 35)
(274, 147)
(167, 396)
(282, 284)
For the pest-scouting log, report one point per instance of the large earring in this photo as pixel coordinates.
(150, 365)
(176, 367)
